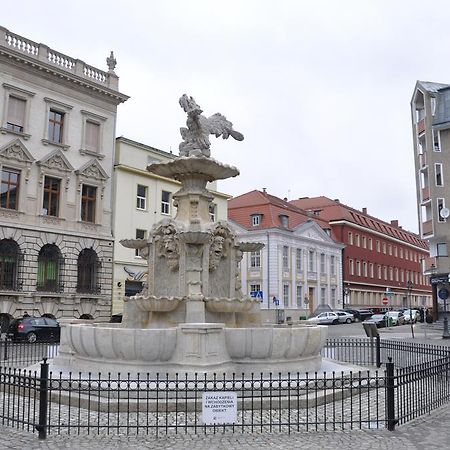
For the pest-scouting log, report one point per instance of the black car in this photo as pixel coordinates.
(360, 314)
(32, 329)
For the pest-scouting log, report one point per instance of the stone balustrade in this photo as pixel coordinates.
(44, 54)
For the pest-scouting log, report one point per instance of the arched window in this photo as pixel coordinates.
(88, 264)
(49, 262)
(9, 264)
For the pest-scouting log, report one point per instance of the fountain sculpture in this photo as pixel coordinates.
(191, 315)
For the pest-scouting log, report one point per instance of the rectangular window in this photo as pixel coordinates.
(16, 114)
(357, 242)
(379, 272)
(9, 192)
(364, 269)
(50, 204)
(350, 238)
(358, 268)
(322, 263)
(298, 259)
(323, 295)
(439, 174)
(351, 267)
(165, 202)
(55, 126)
(442, 249)
(378, 246)
(384, 247)
(299, 295)
(285, 258)
(141, 197)
(370, 244)
(440, 205)
(311, 262)
(390, 249)
(92, 136)
(255, 288)
(371, 270)
(333, 296)
(88, 200)
(256, 220)
(286, 295)
(333, 265)
(364, 242)
(395, 251)
(385, 273)
(212, 212)
(140, 234)
(255, 259)
(436, 141)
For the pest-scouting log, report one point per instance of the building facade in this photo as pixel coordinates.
(299, 268)
(430, 116)
(141, 200)
(379, 258)
(57, 132)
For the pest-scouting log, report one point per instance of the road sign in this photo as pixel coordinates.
(385, 301)
(443, 294)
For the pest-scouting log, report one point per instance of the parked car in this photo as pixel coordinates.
(116, 318)
(380, 320)
(413, 314)
(345, 317)
(355, 312)
(325, 318)
(396, 317)
(32, 329)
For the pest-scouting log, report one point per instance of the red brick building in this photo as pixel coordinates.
(378, 256)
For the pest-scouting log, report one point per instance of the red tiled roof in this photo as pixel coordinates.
(333, 210)
(241, 208)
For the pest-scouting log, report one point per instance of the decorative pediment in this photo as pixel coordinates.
(93, 169)
(16, 150)
(56, 160)
(312, 230)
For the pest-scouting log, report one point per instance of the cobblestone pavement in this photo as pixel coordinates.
(429, 432)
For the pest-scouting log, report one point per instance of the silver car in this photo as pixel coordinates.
(345, 317)
(325, 318)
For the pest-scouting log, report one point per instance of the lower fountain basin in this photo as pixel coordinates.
(155, 304)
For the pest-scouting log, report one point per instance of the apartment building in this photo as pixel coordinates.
(430, 116)
(379, 258)
(299, 268)
(141, 199)
(57, 133)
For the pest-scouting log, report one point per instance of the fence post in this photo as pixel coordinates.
(4, 339)
(43, 401)
(390, 395)
(378, 351)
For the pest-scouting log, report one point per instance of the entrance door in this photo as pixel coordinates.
(311, 299)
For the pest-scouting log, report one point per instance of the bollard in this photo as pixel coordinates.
(43, 401)
(390, 395)
(378, 351)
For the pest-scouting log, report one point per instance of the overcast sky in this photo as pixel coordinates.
(320, 89)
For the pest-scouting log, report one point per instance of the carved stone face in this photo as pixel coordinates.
(168, 248)
(216, 252)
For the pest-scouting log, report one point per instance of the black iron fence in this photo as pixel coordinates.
(158, 404)
(22, 354)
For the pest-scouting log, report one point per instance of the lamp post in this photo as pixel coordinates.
(445, 334)
(346, 294)
(409, 287)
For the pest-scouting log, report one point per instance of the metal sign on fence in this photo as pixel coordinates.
(219, 408)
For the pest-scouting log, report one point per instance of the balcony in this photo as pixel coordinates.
(425, 193)
(423, 160)
(93, 289)
(427, 228)
(420, 126)
(50, 286)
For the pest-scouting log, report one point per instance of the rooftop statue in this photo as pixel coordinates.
(196, 135)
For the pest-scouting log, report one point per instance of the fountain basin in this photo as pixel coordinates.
(230, 305)
(155, 304)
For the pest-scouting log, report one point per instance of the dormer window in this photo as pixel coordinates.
(284, 220)
(256, 219)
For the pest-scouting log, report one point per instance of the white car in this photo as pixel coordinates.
(325, 318)
(411, 312)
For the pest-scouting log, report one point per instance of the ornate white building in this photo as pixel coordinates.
(57, 132)
(142, 199)
(300, 267)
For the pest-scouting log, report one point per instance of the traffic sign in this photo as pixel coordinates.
(443, 294)
(385, 301)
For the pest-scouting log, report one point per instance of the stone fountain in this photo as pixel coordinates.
(192, 315)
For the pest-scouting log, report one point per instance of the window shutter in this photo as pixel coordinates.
(16, 111)
(92, 136)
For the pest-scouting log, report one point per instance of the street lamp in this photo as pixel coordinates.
(409, 287)
(445, 334)
(346, 294)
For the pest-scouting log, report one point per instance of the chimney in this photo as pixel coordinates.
(336, 200)
(264, 190)
(364, 210)
(285, 199)
(394, 223)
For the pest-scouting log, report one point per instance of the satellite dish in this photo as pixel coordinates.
(445, 213)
